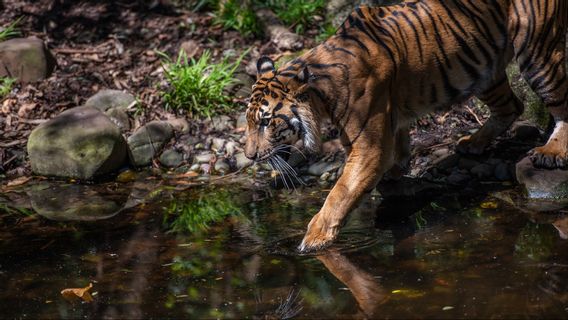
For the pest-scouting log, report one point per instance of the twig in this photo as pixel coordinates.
(474, 115)
(74, 51)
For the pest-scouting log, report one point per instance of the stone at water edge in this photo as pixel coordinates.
(107, 99)
(147, 141)
(26, 59)
(120, 118)
(79, 143)
(542, 183)
(171, 158)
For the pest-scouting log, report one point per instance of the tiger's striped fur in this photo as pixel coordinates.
(386, 66)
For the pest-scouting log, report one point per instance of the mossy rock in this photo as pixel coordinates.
(147, 141)
(79, 143)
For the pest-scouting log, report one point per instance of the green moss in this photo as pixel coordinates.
(535, 110)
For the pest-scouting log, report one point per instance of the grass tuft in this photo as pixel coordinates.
(10, 31)
(197, 86)
(232, 14)
(296, 13)
(6, 85)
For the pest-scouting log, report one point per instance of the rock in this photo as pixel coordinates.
(447, 162)
(222, 166)
(203, 158)
(230, 148)
(79, 143)
(562, 226)
(242, 161)
(221, 123)
(482, 171)
(26, 59)
(467, 164)
(107, 99)
(319, 168)
(126, 176)
(502, 172)
(218, 144)
(191, 48)
(75, 202)
(542, 183)
(119, 117)
(179, 125)
(242, 121)
(442, 152)
(458, 178)
(523, 131)
(171, 158)
(147, 141)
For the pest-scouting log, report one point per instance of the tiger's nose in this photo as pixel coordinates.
(252, 155)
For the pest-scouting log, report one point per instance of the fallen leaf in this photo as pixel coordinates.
(19, 181)
(489, 205)
(72, 294)
(409, 293)
(25, 109)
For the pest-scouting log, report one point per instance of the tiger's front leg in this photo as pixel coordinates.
(366, 163)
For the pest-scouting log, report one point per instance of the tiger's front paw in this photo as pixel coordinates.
(320, 234)
(470, 145)
(549, 157)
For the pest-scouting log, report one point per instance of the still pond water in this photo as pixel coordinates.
(158, 250)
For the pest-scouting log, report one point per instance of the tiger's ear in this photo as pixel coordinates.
(264, 65)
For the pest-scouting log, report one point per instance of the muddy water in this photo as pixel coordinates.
(228, 251)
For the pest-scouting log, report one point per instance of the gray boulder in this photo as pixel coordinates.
(79, 143)
(542, 183)
(148, 141)
(26, 59)
(107, 99)
(171, 158)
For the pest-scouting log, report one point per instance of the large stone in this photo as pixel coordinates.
(119, 117)
(542, 183)
(79, 143)
(147, 141)
(107, 99)
(171, 158)
(26, 59)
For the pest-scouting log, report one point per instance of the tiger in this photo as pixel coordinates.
(387, 66)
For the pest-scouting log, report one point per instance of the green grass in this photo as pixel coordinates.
(10, 31)
(297, 14)
(6, 85)
(198, 214)
(197, 86)
(326, 31)
(234, 14)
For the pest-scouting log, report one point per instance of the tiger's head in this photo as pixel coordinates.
(279, 112)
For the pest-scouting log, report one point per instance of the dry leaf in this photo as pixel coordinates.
(25, 109)
(18, 181)
(73, 294)
(489, 205)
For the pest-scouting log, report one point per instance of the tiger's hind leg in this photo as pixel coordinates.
(505, 108)
(540, 50)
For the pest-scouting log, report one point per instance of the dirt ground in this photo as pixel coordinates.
(114, 44)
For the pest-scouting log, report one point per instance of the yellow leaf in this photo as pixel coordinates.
(489, 205)
(72, 294)
(409, 293)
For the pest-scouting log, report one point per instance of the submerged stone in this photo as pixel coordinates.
(542, 183)
(79, 143)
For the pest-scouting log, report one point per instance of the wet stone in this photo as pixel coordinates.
(242, 161)
(447, 162)
(542, 183)
(221, 123)
(171, 158)
(203, 158)
(79, 143)
(231, 148)
(217, 144)
(321, 167)
(147, 141)
(222, 166)
(107, 99)
(482, 171)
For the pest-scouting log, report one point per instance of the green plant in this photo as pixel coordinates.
(6, 85)
(326, 31)
(197, 214)
(237, 15)
(197, 85)
(10, 31)
(296, 13)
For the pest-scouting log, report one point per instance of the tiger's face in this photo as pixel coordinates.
(278, 114)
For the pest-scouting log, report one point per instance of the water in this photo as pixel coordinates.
(160, 250)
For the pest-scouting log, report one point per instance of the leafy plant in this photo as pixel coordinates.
(10, 31)
(326, 31)
(197, 85)
(6, 85)
(296, 13)
(232, 14)
(197, 214)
